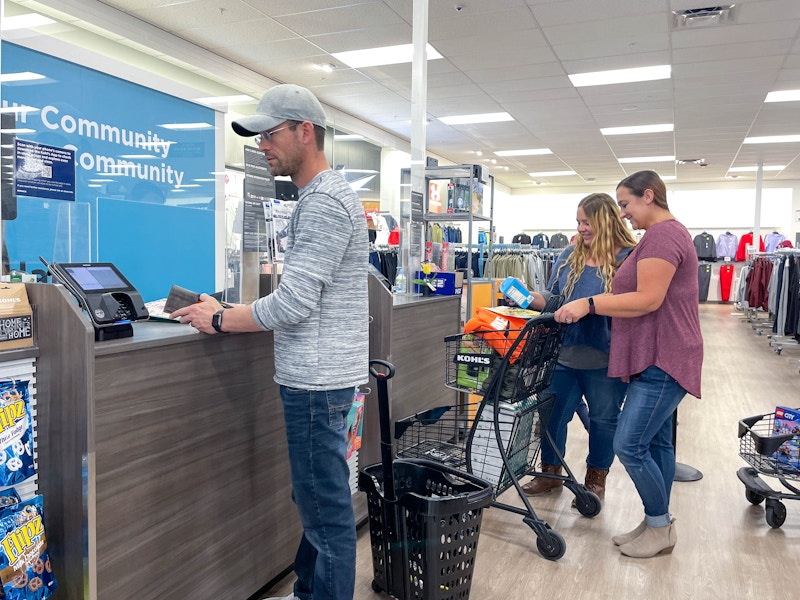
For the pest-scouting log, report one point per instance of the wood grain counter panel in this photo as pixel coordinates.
(192, 471)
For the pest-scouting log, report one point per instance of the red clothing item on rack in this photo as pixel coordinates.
(745, 241)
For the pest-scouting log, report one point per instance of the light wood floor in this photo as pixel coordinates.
(725, 547)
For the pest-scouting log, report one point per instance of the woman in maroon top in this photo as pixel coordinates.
(656, 346)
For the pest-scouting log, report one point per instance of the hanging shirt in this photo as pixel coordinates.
(747, 240)
(705, 247)
(727, 244)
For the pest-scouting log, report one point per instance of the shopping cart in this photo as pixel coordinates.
(772, 454)
(424, 518)
(498, 438)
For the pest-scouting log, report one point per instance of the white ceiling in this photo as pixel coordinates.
(505, 55)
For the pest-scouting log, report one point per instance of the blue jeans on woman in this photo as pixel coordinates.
(316, 432)
(604, 396)
(643, 441)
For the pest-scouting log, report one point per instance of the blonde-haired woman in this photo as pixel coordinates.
(584, 270)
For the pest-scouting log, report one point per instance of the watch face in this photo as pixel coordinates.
(216, 321)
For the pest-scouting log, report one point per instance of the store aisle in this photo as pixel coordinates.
(725, 548)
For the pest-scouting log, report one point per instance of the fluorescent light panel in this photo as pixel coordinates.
(25, 21)
(186, 126)
(784, 96)
(772, 139)
(637, 129)
(237, 99)
(552, 173)
(481, 118)
(23, 76)
(387, 55)
(753, 169)
(529, 152)
(347, 137)
(621, 76)
(647, 159)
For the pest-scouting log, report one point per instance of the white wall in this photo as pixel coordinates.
(712, 210)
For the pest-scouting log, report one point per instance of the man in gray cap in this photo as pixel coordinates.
(319, 314)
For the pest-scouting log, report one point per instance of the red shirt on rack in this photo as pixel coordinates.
(745, 241)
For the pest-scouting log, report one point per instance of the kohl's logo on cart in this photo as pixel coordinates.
(473, 359)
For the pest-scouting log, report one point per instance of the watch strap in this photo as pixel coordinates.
(216, 321)
(591, 305)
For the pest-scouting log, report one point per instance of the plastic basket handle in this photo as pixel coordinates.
(382, 379)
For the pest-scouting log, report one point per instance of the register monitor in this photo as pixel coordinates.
(103, 292)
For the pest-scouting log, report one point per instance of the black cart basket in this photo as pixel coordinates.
(424, 518)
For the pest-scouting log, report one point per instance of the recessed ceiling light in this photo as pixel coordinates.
(186, 126)
(552, 173)
(637, 129)
(481, 118)
(236, 99)
(387, 55)
(772, 139)
(784, 96)
(755, 168)
(25, 21)
(20, 110)
(621, 76)
(668, 177)
(528, 152)
(23, 76)
(646, 159)
(347, 136)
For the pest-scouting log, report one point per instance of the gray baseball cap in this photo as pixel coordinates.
(286, 102)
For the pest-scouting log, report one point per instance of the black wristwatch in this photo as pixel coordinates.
(591, 306)
(216, 321)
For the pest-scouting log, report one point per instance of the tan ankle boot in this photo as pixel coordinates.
(624, 538)
(652, 542)
(543, 485)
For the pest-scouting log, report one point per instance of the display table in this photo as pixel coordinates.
(162, 457)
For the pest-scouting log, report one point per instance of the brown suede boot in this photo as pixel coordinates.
(543, 485)
(596, 481)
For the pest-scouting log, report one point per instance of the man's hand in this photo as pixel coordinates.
(199, 315)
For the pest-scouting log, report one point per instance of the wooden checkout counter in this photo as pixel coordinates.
(162, 457)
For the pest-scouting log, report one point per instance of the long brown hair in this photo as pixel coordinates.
(646, 180)
(610, 233)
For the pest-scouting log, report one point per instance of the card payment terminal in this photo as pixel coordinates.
(110, 300)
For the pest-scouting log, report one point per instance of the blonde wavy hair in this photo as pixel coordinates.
(610, 233)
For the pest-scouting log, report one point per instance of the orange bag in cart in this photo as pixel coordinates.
(498, 330)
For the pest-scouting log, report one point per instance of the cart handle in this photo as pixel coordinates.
(383, 363)
(475, 497)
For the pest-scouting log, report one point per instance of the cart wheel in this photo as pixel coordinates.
(778, 351)
(776, 514)
(376, 587)
(753, 497)
(588, 504)
(553, 550)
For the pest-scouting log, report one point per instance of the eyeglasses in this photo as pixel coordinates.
(267, 135)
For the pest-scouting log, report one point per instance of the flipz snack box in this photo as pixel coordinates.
(787, 422)
(16, 318)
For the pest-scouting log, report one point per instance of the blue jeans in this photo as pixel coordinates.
(316, 432)
(643, 441)
(604, 396)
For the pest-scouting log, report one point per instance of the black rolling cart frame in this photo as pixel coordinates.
(759, 446)
(424, 518)
(499, 438)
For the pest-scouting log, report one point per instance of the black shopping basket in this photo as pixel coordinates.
(424, 518)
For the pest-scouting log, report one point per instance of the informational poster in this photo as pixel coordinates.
(281, 214)
(43, 171)
(259, 190)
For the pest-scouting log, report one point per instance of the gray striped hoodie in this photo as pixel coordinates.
(320, 310)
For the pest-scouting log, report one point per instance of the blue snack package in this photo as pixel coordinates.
(25, 570)
(8, 497)
(16, 433)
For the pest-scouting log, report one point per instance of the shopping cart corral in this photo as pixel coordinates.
(498, 438)
(774, 454)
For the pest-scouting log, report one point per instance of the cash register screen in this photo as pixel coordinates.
(96, 277)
